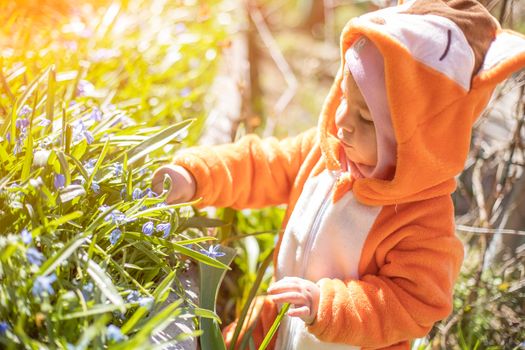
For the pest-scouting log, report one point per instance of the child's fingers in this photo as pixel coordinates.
(303, 312)
(281, 287)
(157, 182)
(290, 297)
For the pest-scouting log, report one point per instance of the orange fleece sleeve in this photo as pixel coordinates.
(412, 290)
(250, 173)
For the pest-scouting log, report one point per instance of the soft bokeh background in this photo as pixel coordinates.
(130, 70)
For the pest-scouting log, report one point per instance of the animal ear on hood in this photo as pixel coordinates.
(506, 55)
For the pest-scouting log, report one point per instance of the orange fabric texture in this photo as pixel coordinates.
(411, 257)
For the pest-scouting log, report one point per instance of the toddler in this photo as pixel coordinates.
(369, 256)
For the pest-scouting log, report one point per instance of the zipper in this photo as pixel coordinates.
(309, 242)
(316, 224)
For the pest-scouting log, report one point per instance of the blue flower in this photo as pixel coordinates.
(22, 123)
(96, 115)
(180, 27)
(44, 122)
(59, 181)
(114, 333)
(85, 88)
(43, 284)
(4, 326)
(146, 302)
(80, 130)
(35, 257)
(148, 192)
(103, 207)
(114, 236)
(26, 236)
(213, 251)
(118, 169)
(116, 217)
(95, 187)
(133, 296)
(185, 92)
(18, 145)
(137, 194)
(90, 165)
(164, 227)
(8, 136)
(147, 228)
(25, 110)
(87, 290)
(89, 137)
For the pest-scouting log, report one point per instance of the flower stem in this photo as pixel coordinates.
(274, 327)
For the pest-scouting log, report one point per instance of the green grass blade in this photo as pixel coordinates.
(99, 162)
(30, 89)
(253, 292)
(156, 141)
(64, 165)
(160, 210)
(93, 310)
(62, 255)
(162, 288)
(50, 102)
(105, 284)
(179, 248)
(156, 323)
(273, 328)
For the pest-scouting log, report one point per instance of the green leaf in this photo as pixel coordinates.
(79, 166)
(64, 166)
(210, 281)
(160, 210)
(179, 248)
(164, 286)
(99, 162)
(253, 292)
(61, 256)
(93, 310)
(105, 284)
(51, 86)
(28, 157)
(70, 192)
(274, 327)
(155, 324)
(31, 88)
(156, 141)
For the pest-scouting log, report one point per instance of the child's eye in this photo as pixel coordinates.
(363, 119)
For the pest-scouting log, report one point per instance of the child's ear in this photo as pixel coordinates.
(506, 55)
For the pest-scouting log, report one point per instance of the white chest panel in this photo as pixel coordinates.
(322, 239)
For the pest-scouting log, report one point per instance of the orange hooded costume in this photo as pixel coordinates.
(383, 252)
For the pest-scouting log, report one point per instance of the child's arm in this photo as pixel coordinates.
(250, 173)
(410, 292)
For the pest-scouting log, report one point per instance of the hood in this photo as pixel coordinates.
(442, 61)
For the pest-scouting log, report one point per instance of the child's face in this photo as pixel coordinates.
(355, 126)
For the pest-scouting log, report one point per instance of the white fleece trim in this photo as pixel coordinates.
(506, 45)
(426, 38)
(335, 247)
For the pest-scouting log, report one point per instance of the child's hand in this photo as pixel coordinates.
(303, 295)
(183, 185)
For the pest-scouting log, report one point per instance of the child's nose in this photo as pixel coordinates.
(342, 131)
